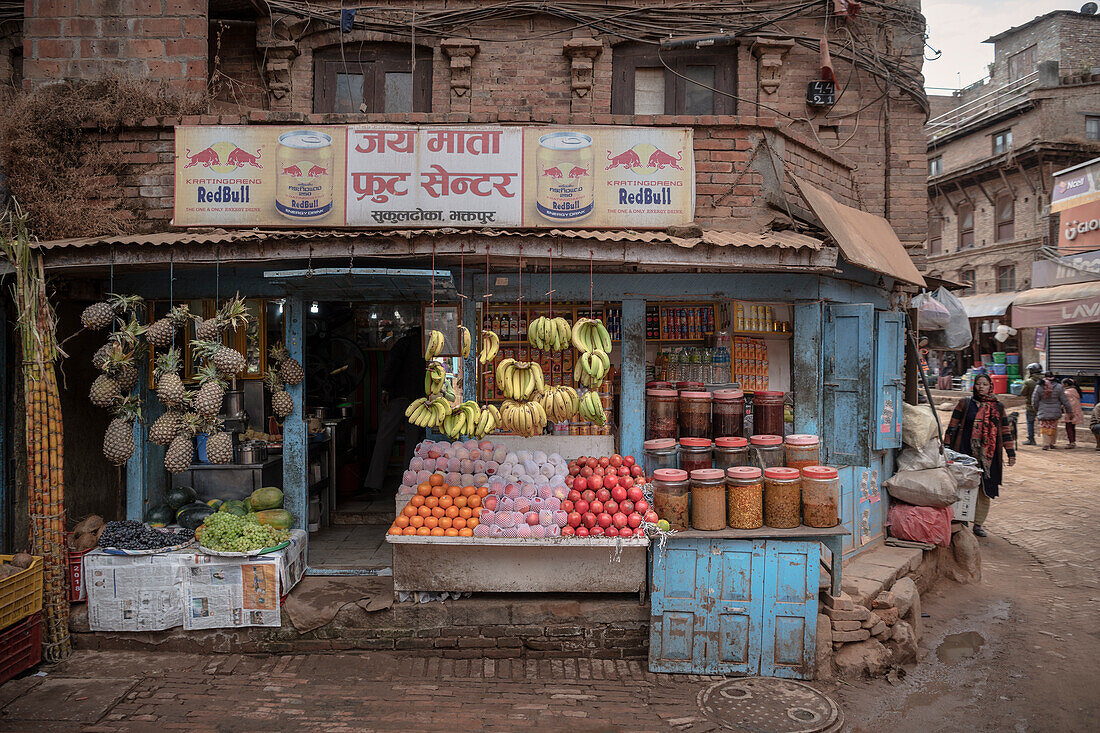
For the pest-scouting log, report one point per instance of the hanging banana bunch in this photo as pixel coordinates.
(428, 412)
(559, 403)
(591, 408)
(467, 342)
(435, 345)
(519, 380)
(490, 345)
(434, 378)
(551, 334)
(523, 418)
(592, 340)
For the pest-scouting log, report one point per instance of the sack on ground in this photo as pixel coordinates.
(918, 424)
(917, 459)
(931, 315)
(956, 334)
(920, 523)
(934, 487)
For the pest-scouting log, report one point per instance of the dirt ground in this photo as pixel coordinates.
(1029, 629)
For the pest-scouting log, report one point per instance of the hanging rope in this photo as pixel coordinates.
(550, 292)
(433, 283)
(171, 289)
(521, 281)
(217, 278)
(591, 301)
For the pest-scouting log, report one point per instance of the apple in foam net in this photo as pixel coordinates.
(532, 518)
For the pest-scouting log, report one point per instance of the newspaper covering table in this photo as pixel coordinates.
(190, 589)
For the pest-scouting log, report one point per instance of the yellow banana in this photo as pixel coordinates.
(464, 333)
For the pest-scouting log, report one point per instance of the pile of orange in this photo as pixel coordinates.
(439, 510)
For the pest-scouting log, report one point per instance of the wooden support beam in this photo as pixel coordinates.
(632, 399)
(946, 198)
(1027, 178)
(965, 196)
(984, 192)
(1004, 178)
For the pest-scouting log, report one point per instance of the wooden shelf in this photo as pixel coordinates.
(763, 334)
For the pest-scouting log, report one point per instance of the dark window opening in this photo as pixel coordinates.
(372, 78)
(1006, 278)
(935, 234)
(693, 82)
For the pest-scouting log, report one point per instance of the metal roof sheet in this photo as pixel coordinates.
(715, 237)
(987, 304)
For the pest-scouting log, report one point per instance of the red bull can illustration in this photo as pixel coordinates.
(565, 188)
(304, 175)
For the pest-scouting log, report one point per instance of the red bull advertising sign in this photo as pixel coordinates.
(395, 176)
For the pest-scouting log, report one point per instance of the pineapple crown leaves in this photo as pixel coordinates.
(168, 362)
(207, 374)
(234, 313)
(205, 349)
(125, 303)
(273, 381)
(279, 353)
(192, 423)
(181, 314)
(128, 409)
(118, 358)
(207, 425)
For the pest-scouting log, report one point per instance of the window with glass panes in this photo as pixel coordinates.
(1092, 127)
(1002, 141)
(966, 225)
(675, 82)
(375, 78)
(1005, 218)
(935, 234)
(935, 165)
(1006, 278)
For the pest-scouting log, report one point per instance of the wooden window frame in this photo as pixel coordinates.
(966, 236)
(935, 235)
(1028, 54)
(1004, 230)
(629, 57)
(1002, 270)
(972, 281)
(937, 164)
(374, 61)
(1006, 141)
(1095, 121)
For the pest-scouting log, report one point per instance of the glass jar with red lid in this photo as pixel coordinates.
(731, 452)
(708, 499)
(662, 413)
(660, 453)
(769, 450)
(820, 496)
(782, 497)
(744, 497)
(801, 451)
(690, 386)
(695, 414)
(767, 413)
(696, 453)
(672, 497)
(728, 413)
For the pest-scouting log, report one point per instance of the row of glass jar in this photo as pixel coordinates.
(766, 451)
(685, 413)
(744, 497)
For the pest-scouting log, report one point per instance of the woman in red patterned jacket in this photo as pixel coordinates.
(979, 427)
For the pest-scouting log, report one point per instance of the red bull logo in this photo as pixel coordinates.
(206, 158)
(240, 157)
(565, 196)
(655, 159)
(223, 158)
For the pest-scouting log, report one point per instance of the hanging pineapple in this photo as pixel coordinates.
(230, 316)
(161, 332)
(227, 361)
(169, 385)
(99, 316)
(120, 368)
(208, 400)
(290, 370)
(181, 451)
(219, 444)
(104, 392)
(118, 440)
(166, 427)
(282, 404)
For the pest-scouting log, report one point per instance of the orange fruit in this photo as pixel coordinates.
(417, 500)
(423, 532)
(431, 502)
(424, 489)
(452, 512)
(445, 522)
(465, 533)
(439, 490)
(394, 530)
(435, 480)
(416, 522)
(401, 522)
(483, 491)
(437, 532)
(451, 532)
(439, 512)
(471, 522)
(445, 502)
(458, 523)
(465, 512)
(454, 491)
(461, 501)
(424, 511)
(474, 502)
(409, 510)
(431, 522)
(469, 490)
(409, 531)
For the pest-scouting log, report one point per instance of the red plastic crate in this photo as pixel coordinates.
(20, 646)
(75, 558)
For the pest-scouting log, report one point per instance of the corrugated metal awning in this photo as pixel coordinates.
(1057, 306)
(864, 239)
(987, 304)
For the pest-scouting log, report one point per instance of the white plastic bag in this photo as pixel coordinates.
(918, 424)
(934, 487)
(956, 334)
(917, 459)
(965, 469)
(931, 315)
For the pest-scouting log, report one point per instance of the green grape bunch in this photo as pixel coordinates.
(225, 532)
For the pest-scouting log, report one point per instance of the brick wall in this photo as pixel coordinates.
(234, 68)
(160, 40)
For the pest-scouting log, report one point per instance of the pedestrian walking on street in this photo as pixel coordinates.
(1094, 424)
(1034, 376)
(1074, 415)
(979, 427)
(1049, 401)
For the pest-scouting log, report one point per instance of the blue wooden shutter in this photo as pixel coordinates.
(679, 607)
(889, 379)
(846, 348)
(789, 625)
(737, 576)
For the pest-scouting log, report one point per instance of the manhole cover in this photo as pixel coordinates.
(769, 705)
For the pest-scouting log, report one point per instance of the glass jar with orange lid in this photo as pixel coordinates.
(769, 450)
(728, 413)
(782, 498)
(696, 453)
(660, 453)
(820, 496)
(801, 451)
(767, 413)
(662, 413)
(708, 499)
(744, 497)
(672, 497)
(695, 414)
(731, 451)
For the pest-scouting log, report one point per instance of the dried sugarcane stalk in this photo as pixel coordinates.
(43, 429)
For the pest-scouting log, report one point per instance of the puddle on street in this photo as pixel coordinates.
(957, 647)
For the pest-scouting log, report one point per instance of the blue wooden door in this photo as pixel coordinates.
(849, 499)
(789, 624)
(680, 606)
(846, 383)
(889, 379)
(737, 586)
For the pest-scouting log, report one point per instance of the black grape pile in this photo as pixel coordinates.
(131, 535)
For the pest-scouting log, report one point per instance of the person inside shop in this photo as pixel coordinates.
(979, 427)
(1074, 415)
(947, 372)
(402, 382)
(1034, 377)
(1049, 401)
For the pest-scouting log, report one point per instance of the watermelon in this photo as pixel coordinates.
(215, 503)
(234, 507)
(268, 497)
(191, 515)
(277, 518)
(160, 515)
(179, 496)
